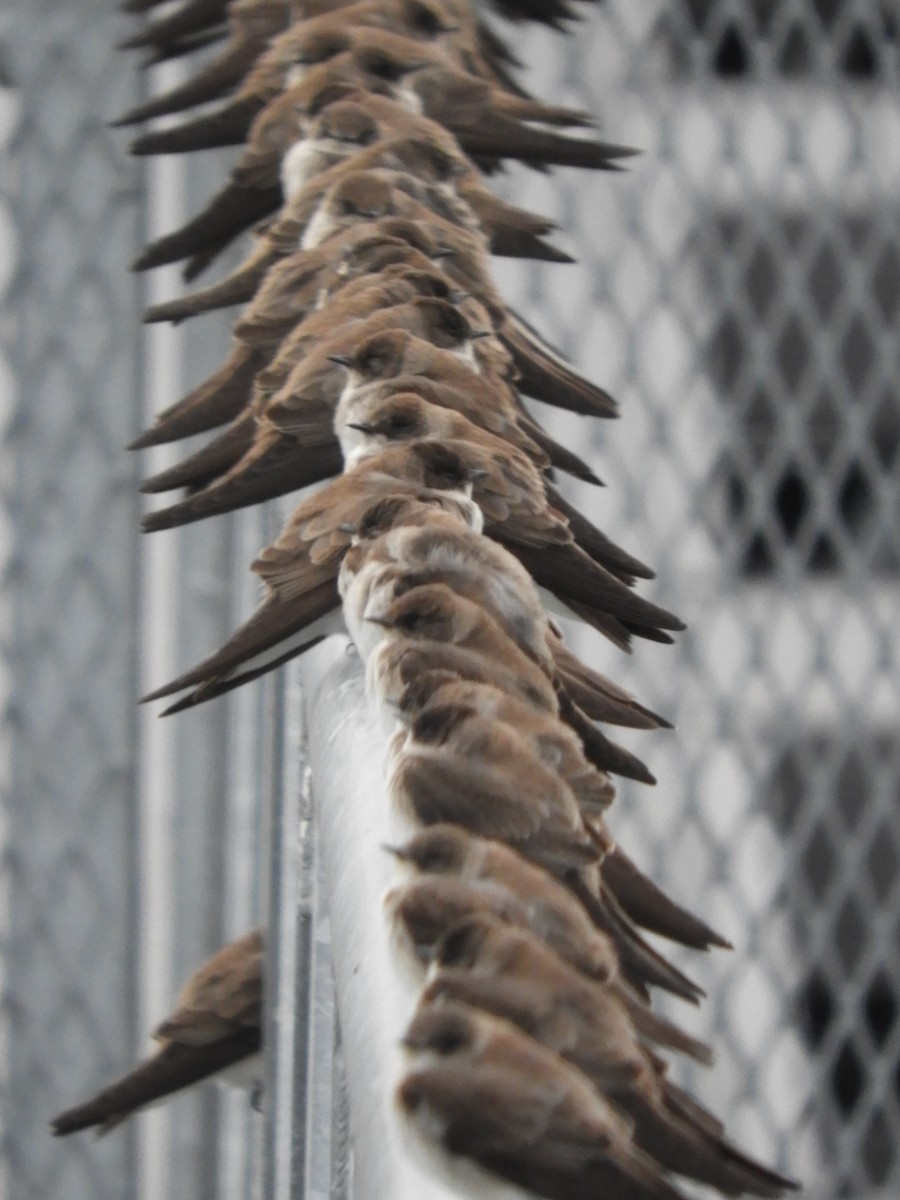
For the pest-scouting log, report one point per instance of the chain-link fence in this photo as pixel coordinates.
(738, 291)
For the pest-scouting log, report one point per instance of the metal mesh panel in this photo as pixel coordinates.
(68, 933)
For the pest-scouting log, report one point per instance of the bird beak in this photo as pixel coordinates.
(342, 360)
(361, 428)
(397, 851)
(477, 334)
(443, 252)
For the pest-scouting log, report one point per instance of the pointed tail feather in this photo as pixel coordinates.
(227, 126)
(176, 1066)
(214, 402)
(273, 624)
(652, 909)
(229, 213)
(284, 468)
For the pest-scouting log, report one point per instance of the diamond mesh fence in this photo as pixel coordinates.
(737, 290)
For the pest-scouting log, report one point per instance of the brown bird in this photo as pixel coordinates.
(554, 744)
(450, 851)
(488, 122)
(313, 274)
(300, 568)
(583, 899)
(454, 765)
(252, 461)
(486, 963)
(434, 612)
(396, 553)
(422, 911)
(408, 141)
(215, 1031)
(517, 514)
(253, 27)
(539, 902)
(479, 1088)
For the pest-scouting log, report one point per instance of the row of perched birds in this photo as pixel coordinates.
(375, 352)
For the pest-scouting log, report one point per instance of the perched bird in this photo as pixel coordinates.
(448, 850)
(251, 461)
(435, 612)
(422, 911)
(479, 1088)
(300, 568)
(453, 765)
(215, 1031)
(496, 968)
(582, 898)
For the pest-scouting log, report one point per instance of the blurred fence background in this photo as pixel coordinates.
(738, 291)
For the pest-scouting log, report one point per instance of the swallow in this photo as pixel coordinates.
(554, 744)
(422, 910)
(216, 1029)
(419, 912)
(251, 461)
(396, 139)
(285, 293)
(496, 968)
(300, 568)
(254, 29)
(479, 1088)
(434, 612)
(453, 765)
(533, 898)
(253, 190)
(397, 356)
(404, 556)
(579, 900)
(220, 397)
(510, 493)
(488, 122)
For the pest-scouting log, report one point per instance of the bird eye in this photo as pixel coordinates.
(424, 19)
(449, 1041)
(383, 67)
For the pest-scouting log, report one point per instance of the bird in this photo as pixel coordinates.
(478, 1088)
(435, 612)
(453, 765)
(447, 849)
(582, 898)
(251, 461)
(300, 568)
(399, 552)
(369, 131)
(215, 1031)
(420, 912)
(497, 968)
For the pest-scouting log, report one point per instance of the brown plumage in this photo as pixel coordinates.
(216, 1025)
